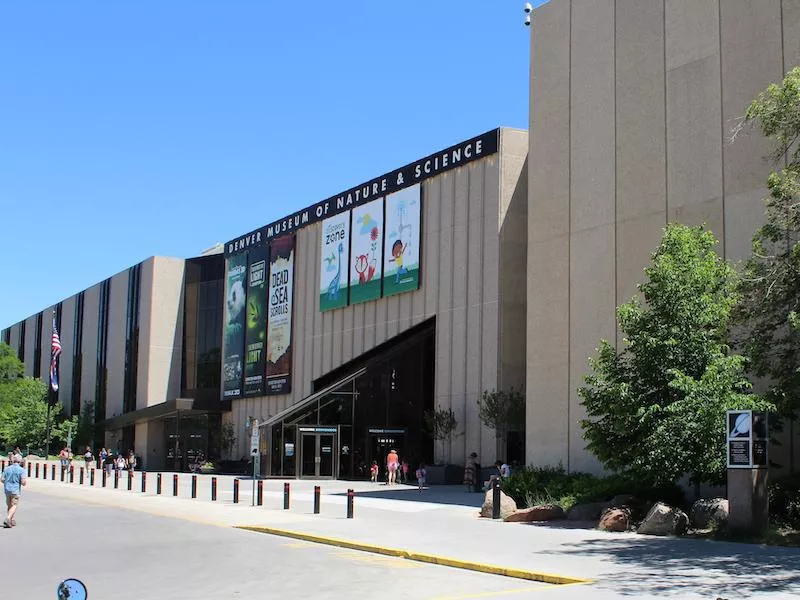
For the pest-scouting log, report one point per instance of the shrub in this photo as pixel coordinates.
(784, 501)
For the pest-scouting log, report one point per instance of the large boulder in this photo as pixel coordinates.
(590, 511)
(706, 510)
(507, 505)
(615, 519)
(545, 512)
(664, 520)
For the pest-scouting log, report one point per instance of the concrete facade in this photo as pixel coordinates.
(633, 104)
(473, 260)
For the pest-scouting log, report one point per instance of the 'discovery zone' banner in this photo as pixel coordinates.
(402, 241)
(256, 335)
(234, 329)
(334, 260)
(279, 324)
(366, 252)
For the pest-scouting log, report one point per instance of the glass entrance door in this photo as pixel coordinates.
(319, 450)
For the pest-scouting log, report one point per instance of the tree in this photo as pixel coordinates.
(502, 411)
(11, 367)
(23, 415)
(656, 408)
(441, 425)
(771, 280)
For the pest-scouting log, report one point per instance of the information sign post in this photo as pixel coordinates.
(748, 466)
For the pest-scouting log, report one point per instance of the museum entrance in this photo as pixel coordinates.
(374, 404)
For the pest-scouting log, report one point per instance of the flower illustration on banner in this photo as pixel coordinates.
(373, 235)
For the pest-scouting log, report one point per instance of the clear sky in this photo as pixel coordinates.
(129, 129)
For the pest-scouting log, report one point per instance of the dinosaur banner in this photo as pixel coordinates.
(334, 260)
(402, 241)
(256, 334)
(233, 338)
(279, 327)
(366, 244)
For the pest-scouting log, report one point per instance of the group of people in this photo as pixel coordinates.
(397, 471)
(105, 459)
(473, 474)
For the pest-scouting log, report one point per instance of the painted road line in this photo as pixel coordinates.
(422, 557)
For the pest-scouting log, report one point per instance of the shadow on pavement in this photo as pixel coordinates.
(670, 566)
(437, 494)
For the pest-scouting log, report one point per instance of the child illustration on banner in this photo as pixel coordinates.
(399, 247)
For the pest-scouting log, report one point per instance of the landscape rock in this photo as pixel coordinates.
(590, 511)
(507, 505)
(664, 520)
(706, 510)
(545, 512)
(615, 519)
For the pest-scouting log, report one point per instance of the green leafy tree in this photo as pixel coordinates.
(11, 367)
(23, 413)
(441, 425)
(771, 280)
(656, 408)
(503, 411)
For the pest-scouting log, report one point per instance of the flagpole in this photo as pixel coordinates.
(53, 382)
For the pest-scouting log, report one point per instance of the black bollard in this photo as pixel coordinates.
(260, 495)
(350, 496)
(316, 499)
(53, 472)
(81, 477)
(71, 474)
(63, 472)
(105, 476)
(158, 483)
(175, 484)
(144, 482)
(213, 489)
(29, 469)
(194, 486)
(116, 479)
(236, 491)
(495, 498)
(37, 470)
(130, 481)
(91, 477)
(286, 496)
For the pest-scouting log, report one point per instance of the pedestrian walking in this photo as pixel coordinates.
(422, 476)
(88, 457)
(13, 478)
(404, 471)
(63, 457)
(373, 472)
(392, 463)
(131, 461)
(470, 472)
(121, 464)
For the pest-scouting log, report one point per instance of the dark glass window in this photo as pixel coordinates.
(77, 355)
(21, 350)
(7, 336)
(37, 348)
(132, 339)
(102, 347)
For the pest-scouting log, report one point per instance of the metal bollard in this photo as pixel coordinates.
(286, 496)
(144, 482)
(158, 483)
(130, 481)
(316, 499)
(63, 472)
(37, 470)
(260, 495)
(81, 477)
(29, 469)
(495, 498)
(194, 486)
(71, 474)
(91, 477)
(2, 464)
(236, 491)
(105, 477)
(213, 489)
(350, 496)
(116, 479)
(175, 484)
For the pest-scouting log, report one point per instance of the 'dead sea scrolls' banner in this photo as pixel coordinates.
(402, 241)
(366, 252)
(333, 271)
(255, 341)
(234, 330)
(279, 324)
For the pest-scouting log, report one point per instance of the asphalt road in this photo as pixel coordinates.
(121, 554)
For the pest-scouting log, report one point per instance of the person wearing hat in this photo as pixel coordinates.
(13, 479)
(470, 472)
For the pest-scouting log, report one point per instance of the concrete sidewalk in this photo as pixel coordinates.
(443, 521)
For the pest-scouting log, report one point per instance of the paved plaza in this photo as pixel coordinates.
(133, 545)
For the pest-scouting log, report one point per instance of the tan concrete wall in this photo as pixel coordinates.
(632, 107)
(115, 350)
(91, 307)
(461, 287)
(66, 330)
(150, 441)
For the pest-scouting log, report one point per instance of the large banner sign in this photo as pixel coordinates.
(366, 254)
(256, 336)
(279, 328)
(233, 338)
(402, 241)
(333, 262)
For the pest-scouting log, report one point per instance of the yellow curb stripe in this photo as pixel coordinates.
(421, 557)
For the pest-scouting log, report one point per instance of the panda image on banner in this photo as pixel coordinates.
(234, 331)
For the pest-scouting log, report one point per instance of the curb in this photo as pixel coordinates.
(421, 557)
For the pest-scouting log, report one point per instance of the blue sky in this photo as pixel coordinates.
(152, 127)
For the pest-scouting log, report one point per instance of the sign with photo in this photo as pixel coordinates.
(334, 259)
(401, 257)
(279, 324)
(234, 328)
(256, 335)
(748, 443)
(366, 243)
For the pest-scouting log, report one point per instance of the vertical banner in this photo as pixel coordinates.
(333, 262)
(233, 338)
(366, 264)
(256, 335)
(279, 325)
(402, 241)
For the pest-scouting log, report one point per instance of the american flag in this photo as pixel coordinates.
(55, 350)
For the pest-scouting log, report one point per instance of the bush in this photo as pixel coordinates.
(784, 501)
(529, 486)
